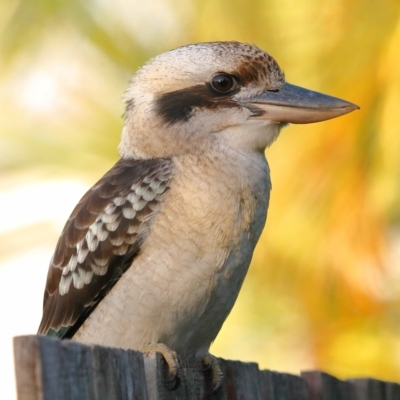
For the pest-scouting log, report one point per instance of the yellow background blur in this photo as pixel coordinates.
(324, 287)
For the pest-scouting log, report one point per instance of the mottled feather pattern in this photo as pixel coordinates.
(99, 241)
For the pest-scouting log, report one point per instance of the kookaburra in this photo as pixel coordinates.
(154, 255)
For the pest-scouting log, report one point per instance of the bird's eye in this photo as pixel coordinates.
(222, 83)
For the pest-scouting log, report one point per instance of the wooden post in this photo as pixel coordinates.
(53, 369)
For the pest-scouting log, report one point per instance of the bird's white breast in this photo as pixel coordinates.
(186, 279)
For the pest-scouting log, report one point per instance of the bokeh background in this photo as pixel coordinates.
(323, 290)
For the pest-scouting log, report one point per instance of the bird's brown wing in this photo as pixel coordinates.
(100, 240)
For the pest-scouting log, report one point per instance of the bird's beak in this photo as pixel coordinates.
(297, 105)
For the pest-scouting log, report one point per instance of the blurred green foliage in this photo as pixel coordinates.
(323, 290)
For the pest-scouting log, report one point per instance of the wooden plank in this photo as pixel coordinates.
(371, 389)
(118, 374)
(28, 372)
(392, 391)
(241, 381)
(48, 369)
(66, 369)
(98, 373)
(192, 379)
(51, 369)
(267, 385)
(368, 389)
(323, 386)
(287, 386)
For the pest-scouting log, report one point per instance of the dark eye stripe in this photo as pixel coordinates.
(179, 105)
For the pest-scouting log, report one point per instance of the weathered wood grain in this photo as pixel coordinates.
(371, 389)
(28, 372)
(51, 369)
(323, 386)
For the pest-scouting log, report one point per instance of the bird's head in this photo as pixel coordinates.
(195, 95)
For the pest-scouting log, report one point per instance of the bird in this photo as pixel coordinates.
(154, 255)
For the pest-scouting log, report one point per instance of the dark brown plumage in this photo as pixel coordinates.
(99, 241)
